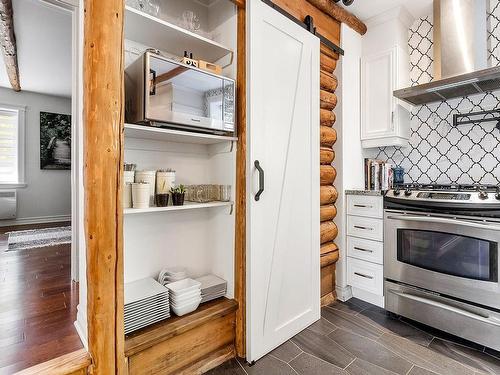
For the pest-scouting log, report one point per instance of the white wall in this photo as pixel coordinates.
(348, 152)
(48, 193)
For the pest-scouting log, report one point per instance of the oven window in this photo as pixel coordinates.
(450, 254)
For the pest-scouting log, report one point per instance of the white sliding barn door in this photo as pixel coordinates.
(283, 265)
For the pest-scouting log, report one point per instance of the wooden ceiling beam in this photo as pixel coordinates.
(8, 43)
(340, 14)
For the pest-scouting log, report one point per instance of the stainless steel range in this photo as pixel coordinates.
(441, 258)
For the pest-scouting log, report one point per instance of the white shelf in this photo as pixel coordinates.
(154, 32)
(186, 206)
(172, 135)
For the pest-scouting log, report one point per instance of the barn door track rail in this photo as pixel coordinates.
(307, 24)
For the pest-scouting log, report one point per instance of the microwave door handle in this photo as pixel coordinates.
(444, 220)
(486, 319)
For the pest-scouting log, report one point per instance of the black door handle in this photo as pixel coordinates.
(261, 180)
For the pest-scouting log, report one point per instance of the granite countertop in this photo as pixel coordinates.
(364, 192)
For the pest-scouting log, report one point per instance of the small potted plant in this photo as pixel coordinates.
(162, 195)
(178, 195)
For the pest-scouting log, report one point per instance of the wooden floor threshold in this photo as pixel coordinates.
(169, 328)
(75, 363)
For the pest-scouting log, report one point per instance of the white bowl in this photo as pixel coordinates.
(196, 301)
(174, 271)
(183, 286)
(185, 309)
(181, 297)
(185, 301)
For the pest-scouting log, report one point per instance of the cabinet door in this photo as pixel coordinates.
(377, 102)
(283, 265)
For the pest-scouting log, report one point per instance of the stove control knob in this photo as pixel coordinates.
(396, 192)
(482, 194)
(497, 194)
(407, 192)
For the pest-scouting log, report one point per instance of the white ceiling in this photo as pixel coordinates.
(43, 36)
(365, 9)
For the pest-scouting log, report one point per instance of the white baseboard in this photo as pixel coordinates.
(35, 220)
(363, 295)
(81, 325)
(344, 293)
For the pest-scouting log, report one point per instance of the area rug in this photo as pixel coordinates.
(29, 239)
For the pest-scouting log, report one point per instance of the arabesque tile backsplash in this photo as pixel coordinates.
(437, 151)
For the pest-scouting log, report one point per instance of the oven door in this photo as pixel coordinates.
(454, 256)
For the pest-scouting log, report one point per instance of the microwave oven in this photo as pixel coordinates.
(163, 92)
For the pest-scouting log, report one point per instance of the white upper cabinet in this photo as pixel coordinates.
(385, 120)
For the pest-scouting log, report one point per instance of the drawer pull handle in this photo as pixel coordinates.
(363, 275)
(363, 206)
(364, 228)
(361, 249)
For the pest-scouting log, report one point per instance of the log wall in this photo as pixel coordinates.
(328, 137)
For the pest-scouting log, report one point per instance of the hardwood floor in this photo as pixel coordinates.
(37, 304)
(356, 338)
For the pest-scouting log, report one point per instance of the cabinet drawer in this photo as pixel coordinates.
(371, 251)
(365, 227)
(362, 205)
(365, 275)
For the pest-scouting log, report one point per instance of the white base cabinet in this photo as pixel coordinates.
(365, 248)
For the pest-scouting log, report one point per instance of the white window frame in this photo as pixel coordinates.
(21, 141)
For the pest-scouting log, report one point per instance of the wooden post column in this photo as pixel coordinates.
(240, 216)
(103, 100)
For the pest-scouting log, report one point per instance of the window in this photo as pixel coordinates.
(11, 146)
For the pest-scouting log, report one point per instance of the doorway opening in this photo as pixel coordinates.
(39, 216)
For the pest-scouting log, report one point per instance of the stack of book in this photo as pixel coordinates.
(378, 175)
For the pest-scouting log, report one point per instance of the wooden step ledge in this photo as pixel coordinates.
(76, 362)
(177, 325)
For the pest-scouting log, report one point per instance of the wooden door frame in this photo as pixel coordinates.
(241, 201)
(103, 118)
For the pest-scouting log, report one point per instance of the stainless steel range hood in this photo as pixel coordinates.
(460, 54)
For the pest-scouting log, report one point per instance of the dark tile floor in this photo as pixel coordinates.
(356, 338)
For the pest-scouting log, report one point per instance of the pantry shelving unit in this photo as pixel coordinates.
(186, 206)
(174, 135)
(165, 36)
(197, 236)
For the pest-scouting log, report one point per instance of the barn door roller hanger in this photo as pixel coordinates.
(307, 24)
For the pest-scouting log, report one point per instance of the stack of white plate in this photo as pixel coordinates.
(171, 275)
(146, 302)
(185, 296)
(212, 287)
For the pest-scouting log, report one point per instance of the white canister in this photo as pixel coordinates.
(164, 182)
(128, 176)
(140, 195)
(127, 195)
(150, 178)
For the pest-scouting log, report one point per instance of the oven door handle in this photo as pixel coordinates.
(444, 220)
(486, 319)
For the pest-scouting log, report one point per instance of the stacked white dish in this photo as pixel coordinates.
(146, 302)
(171, 275)
(212, 287)
(185, 296)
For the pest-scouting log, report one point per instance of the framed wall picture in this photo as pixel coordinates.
(55, 141)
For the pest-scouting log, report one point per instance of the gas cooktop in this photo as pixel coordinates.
(455, 198)
(450, 187)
